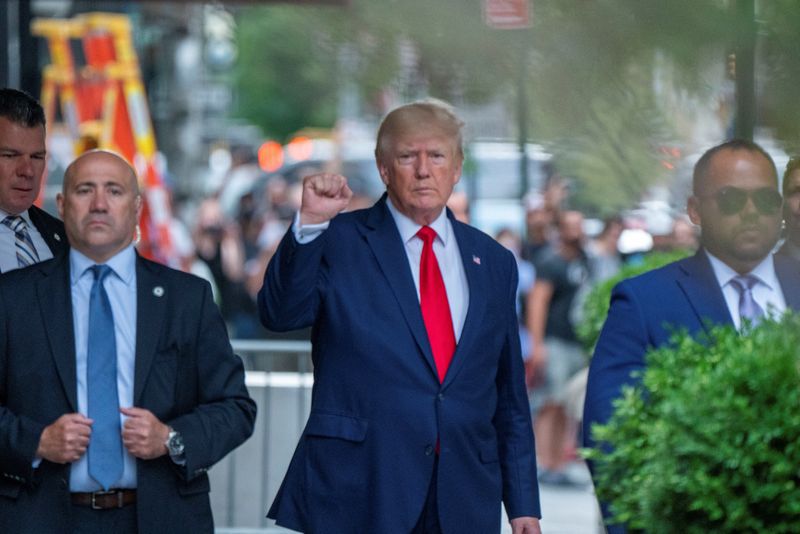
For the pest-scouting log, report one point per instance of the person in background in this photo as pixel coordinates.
(28, 234)
(731, 280)
(118, 385)
(557, 353)
(684, 234)
(459, 205)
(603, 252)
(527, 276)
(791, 210)
(538, 227)
(419, 415)
(218, 243)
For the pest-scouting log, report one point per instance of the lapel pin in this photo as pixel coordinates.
(476, 260)
(57, 237)
(158, 291)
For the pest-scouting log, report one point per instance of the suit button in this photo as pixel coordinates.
(428, 450)
(440, 396)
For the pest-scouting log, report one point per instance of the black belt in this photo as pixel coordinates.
(104, 500)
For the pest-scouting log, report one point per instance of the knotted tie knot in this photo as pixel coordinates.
(15, 222)
(100, 272)
(427, 234)
(26, 251)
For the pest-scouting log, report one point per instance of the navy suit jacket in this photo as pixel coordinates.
(51, 229)
(646, 310)
(365, 459)
(185, 373)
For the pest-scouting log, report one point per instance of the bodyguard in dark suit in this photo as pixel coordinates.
(27, 234)
(732, 278)
(118, 386)
(419, 419)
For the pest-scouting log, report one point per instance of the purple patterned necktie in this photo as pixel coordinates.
(748, 307)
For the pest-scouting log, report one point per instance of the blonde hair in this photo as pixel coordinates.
(419, 115)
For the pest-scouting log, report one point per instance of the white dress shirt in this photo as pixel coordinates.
(767, 291)
(8, 243)
(445, 247)
(120, 286)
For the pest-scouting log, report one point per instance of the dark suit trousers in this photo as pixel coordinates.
(429, 520)
(85, 520)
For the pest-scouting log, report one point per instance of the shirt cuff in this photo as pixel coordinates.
(307, 233)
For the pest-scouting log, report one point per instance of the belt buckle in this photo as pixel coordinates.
(109, 492)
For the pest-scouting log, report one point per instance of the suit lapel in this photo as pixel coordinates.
(387, 246)
(55, 241)
(702, 290)
(788, 272)
(476, 305)
(151, 300)
(54, 293)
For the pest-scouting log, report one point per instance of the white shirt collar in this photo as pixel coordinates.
(408, 229)
(764, 271)
(123, 263)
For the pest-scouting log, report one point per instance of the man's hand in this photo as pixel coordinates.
(66, 439)
(536, 366)
(525, 525)
(324, 196)
(143, 434)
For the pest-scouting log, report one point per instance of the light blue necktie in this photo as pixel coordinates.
(105, 444)
(748, 307)
(26, 252)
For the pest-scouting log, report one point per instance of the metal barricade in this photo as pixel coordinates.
(243, 484)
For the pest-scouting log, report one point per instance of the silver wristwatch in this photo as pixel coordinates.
(174, 443)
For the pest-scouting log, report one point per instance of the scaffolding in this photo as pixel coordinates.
(102, 104)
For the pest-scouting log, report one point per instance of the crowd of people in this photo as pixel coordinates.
(437, 349)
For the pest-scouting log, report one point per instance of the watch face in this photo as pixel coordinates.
(175, 444)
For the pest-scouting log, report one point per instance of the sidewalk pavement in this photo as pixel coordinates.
(568, 509)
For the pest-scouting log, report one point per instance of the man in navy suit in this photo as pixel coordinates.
(738, 207)
(22, 161)
(419, 419)
(111, 425)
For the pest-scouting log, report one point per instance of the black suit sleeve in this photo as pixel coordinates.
(224, 414)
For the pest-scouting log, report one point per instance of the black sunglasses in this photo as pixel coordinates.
(731, 200)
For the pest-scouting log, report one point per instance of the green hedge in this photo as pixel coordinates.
(710, 439)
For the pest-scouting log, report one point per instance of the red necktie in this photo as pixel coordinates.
(435, 308)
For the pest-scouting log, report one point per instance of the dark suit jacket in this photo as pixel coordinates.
(365, 459)
(185, 373)
(51, 229)
(790, 251)
(644, 313)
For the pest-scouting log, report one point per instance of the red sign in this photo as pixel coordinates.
(507, 14)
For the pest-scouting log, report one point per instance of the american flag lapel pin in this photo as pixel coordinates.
(476, 259)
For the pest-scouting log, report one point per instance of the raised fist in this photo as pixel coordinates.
(324, 196)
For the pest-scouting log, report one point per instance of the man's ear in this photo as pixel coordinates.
(383, 170)
(60, 205)
(693, 209)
